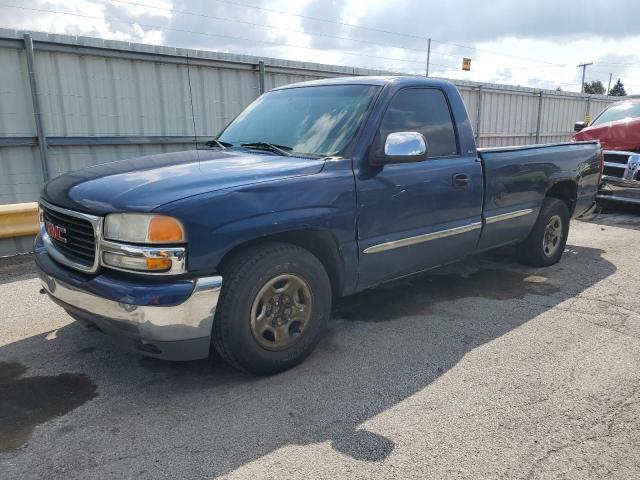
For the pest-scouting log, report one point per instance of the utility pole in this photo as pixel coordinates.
(584, 72)
(428, 55)
(609, 86)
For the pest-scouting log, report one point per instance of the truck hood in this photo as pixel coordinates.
(145, 183)
(623, 135)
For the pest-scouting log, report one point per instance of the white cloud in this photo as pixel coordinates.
(558, 34)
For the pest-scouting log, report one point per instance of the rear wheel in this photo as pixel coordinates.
(545, 244)
(274, 304)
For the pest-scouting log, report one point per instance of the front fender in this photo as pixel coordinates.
(325, 219)
(220, 221)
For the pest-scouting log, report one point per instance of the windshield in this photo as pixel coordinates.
(624, 111)
(313, 121)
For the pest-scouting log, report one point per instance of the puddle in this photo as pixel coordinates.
(26, 402)
(416, 296)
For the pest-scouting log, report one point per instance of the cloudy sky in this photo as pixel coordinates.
(537, 44)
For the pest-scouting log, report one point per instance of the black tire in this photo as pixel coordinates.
(533, 251)
(244, 277)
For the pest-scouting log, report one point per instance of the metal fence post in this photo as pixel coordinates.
(42, 139)
(428, 56)
(586, 113)
(261, 77)
(539, 123)
(479, 115)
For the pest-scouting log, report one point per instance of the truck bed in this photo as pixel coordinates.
(517, 179)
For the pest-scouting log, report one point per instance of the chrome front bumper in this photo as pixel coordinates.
(179, 332)
(619, 190)
(620, 183)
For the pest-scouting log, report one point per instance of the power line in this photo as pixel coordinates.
(281, 44)
(618, 63)
(551, 64)
(253, 24)
(346, 24)
(232, 37)
(319, 19)
(390, 32)
(433, 52)
(408, 35)
(502, 54)
(227, 19)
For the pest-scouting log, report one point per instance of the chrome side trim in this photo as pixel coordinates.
(191, 319)
(427, 237)
(508, 216)
(96, 224)
(176, 254)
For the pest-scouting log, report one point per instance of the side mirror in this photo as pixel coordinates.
(401, 147)
(579, 126)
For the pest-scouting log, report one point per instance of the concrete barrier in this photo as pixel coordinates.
(18, 220)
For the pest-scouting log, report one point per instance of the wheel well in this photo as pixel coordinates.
(567, 191)
(320, 243)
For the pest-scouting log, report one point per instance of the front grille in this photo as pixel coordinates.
(78, 233)
(621, 158)
(615, 164)
(613, 171)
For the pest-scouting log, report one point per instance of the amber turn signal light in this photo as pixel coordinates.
(158, 263)
(163, 229)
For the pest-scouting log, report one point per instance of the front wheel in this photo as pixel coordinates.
(274, 304)
(545, 244)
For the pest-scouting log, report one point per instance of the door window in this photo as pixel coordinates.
(423, 110)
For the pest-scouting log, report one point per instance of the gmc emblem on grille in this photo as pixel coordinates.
(56, 232)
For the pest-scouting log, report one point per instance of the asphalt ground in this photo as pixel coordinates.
(485, 369)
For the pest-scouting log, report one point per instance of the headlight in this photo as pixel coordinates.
(137, 263)
(143, 228)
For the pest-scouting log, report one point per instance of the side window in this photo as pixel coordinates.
(423, 110)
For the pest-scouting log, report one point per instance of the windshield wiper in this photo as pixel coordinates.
(271, 147)
(214, 142)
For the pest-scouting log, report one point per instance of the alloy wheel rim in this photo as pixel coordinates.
(281, 311)
(552, 236)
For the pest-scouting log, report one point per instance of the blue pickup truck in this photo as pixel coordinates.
(315, 191)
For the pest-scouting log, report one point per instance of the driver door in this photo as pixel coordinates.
(415, 216)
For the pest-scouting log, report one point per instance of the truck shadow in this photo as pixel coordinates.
(622, 216)
(382, 347)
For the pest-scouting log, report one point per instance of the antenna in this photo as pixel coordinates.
(193, 114)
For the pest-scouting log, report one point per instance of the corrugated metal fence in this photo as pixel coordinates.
(69, 102)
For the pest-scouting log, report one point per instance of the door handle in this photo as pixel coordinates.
(461, 180)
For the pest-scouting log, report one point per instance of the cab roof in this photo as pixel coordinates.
(400, 81)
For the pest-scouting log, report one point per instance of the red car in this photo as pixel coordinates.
(618, 129)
